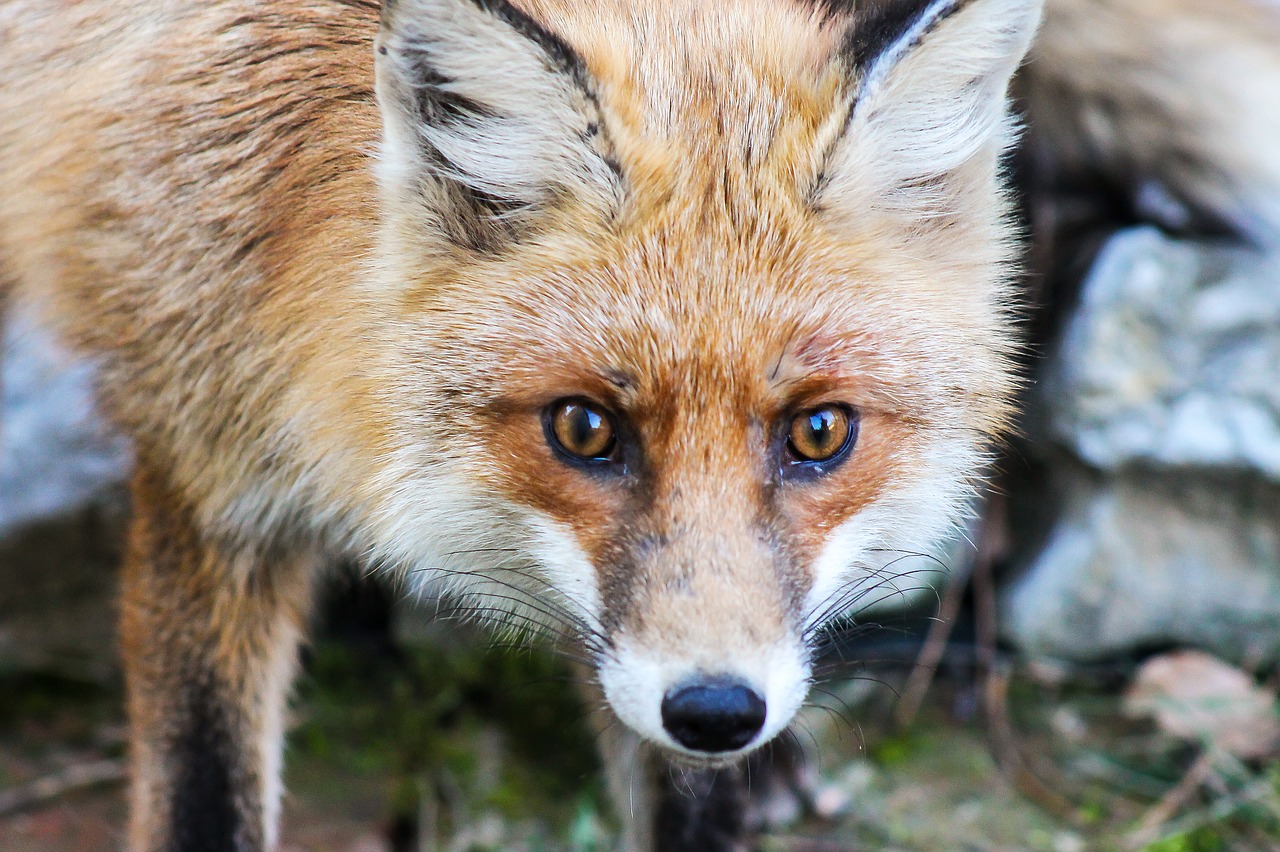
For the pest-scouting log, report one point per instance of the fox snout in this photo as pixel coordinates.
(711, 711)
(705, 657)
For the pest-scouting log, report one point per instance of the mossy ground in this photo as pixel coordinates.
(458, 746)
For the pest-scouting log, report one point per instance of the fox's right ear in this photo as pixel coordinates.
(489, 120)
(929, 110)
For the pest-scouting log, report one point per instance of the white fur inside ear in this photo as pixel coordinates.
(523, 125)
(932, 101)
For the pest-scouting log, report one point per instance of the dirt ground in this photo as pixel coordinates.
(453, 746)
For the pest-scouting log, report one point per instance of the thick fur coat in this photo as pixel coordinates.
(338, 263)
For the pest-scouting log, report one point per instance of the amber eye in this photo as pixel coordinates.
(820, 434)
(581, 429)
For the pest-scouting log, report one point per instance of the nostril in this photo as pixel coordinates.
(713, 714)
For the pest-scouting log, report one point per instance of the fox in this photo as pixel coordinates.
(667, 325)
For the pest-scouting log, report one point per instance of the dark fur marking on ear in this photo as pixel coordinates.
(559, 53)
(877, 25)
(560, 57)
(563, 57)
(204, 817)
(483, 221)
(821, 178)
(436, 105)
(488, 224)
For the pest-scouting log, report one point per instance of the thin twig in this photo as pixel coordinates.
(992, 544)
(1172, 802)
(935, 648)
(1004, 744)
(1004, 738)
(77, 777)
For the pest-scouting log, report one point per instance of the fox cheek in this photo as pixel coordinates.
(571, 577)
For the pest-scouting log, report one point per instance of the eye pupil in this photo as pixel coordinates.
(590, 429)
(581, 430)
(821, 427)
(819, 434)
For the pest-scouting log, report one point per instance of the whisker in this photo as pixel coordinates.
(825, 609)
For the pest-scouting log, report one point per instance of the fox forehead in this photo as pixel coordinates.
(710, 103)
(673, 63)
(794, 314)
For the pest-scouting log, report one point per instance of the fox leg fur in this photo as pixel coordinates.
(210, 638)
(669, 808)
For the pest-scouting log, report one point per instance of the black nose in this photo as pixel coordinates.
(713, 714)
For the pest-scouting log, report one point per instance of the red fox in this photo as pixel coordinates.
(674, 320)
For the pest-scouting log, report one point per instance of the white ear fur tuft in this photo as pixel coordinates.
(487, 117)
(930, 101)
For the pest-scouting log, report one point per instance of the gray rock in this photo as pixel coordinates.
(1163, 399)
(1173, 359)
(56, 455)
(1142, 560)
(62, 509)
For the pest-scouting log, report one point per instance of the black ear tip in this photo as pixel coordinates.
(880, 25)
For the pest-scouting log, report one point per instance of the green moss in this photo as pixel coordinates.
(1205, 839)
(473, 729)
(896, 750)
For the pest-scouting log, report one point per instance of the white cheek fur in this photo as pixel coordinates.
(567, 568)
(890, 549)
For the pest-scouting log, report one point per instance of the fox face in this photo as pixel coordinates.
(699, 324)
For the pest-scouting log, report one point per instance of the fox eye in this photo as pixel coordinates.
(825, 433)
(582, 430)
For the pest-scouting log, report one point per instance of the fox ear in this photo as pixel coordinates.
(930, 112)
(489, 119)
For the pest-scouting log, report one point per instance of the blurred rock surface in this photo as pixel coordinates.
(1159, 412)
(1172, 360)
(62, 510)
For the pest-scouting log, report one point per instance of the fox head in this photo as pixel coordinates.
(700, 320)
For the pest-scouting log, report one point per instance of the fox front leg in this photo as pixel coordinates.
(210, 641)
(666, 808)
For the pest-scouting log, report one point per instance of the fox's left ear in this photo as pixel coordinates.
(489, 120)
(930, 114)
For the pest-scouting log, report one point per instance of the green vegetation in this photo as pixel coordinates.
(465, 740)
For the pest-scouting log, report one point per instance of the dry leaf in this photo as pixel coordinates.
(1195, 696)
